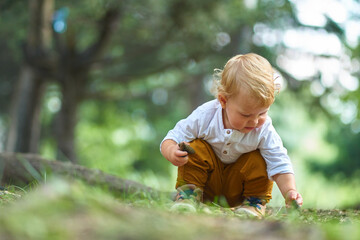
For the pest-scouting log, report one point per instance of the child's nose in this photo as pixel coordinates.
(254, 121)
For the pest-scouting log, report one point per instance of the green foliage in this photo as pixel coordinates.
(347, 164)
(118, 141)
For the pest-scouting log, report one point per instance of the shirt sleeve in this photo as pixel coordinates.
(274, 153)
(186, 129)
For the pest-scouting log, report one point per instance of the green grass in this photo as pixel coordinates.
(62, 209)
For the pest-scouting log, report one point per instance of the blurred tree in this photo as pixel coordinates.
(24, 131)
(67, 67)
(69, 62)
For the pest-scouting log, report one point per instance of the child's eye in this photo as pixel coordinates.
(245, 115)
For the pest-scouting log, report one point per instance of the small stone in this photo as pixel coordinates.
(186, 148)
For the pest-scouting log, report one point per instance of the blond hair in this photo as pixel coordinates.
(250, 72)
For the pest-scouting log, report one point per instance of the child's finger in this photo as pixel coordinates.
(294, 200)
(299, 200)
(293, 196)
(180, 153)
(181, 161)
(290, 197)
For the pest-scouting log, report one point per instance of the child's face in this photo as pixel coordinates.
(243, 112)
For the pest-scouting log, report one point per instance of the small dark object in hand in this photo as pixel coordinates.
(186, 148)
(295, 204)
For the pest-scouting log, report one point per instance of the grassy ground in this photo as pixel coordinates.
(72, 210)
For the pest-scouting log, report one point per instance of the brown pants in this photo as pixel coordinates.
(247, 177)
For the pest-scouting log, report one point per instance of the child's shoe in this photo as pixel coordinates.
(252, 207)
(187, 199)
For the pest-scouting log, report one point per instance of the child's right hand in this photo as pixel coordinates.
(173, 154)
(178, 158)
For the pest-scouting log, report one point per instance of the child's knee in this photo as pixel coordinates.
(254, 165)
(199, 144)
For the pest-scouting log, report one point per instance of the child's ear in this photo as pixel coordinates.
(222, 99)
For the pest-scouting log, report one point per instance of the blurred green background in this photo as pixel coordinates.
(100, 83)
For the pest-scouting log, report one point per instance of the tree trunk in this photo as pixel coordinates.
(72, 76)
(24, 131)
(25, 125)
(72, 87)
(24, 168)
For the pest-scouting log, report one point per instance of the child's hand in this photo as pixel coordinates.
(179, 157)
(292, 195)
(175, 155)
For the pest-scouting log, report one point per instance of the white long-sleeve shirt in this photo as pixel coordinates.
(206, 122)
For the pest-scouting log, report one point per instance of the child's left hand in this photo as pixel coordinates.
(292, 195)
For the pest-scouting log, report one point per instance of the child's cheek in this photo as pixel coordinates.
(261, 121)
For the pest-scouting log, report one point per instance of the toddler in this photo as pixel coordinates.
(238, 153)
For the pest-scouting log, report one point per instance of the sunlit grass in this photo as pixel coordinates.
(62, 209)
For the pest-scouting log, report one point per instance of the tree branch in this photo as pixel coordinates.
(25, 168)
(106, 28)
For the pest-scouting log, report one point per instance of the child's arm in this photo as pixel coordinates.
(286, 184)
(171, 151)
